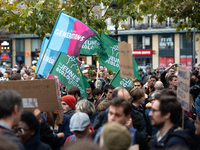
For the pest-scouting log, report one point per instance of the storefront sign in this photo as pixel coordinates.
(19, 58)
(166, 42)
(146, 52)
(4, 56)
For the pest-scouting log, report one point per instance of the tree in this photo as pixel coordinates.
(184, 13)
(39, 17)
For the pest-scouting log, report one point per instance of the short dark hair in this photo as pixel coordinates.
(97, 91)
(170, 78)
(8, 99)
(107, 87)
(91, 85)
(16, 76)
(138, 80)
(153, 76)
(121, 102)
(169, 104)
(74, 90)
(30, 119)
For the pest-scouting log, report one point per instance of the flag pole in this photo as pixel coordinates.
(122, 86)
(40, 64)
(97, 63)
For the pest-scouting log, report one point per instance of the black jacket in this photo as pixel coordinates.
(139, 120)
(174, 138)
(100, 119)
(163, 79)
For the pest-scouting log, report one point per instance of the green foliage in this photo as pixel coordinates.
(38, 17)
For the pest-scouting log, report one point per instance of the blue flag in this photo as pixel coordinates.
(48, 60)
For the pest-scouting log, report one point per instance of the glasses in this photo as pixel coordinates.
(154, 110)
(20, 131)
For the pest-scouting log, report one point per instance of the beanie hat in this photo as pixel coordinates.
(70, 100)
(116, 136)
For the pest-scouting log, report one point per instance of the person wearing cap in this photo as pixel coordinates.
(34, 62)
(86, 75)
(80, 126)
(108, 140)
(68, 103)
(14, 70)
(86, 67)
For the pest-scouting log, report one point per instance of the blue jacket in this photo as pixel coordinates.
(197, 104)
(174, 138)
(64, 127)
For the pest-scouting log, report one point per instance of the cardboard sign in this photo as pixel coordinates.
(41, 94)
(183, 90)
(125, 58)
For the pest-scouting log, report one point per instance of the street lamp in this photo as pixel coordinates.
(114, 7)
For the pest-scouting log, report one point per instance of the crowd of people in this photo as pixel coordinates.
(109, 118)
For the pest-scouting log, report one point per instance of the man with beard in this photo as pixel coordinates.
(165, 114)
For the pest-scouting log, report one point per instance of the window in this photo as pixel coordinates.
(185, 42)
(36, 44)
(19, 45)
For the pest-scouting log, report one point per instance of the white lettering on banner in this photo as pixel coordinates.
(91, 45)
(115, 48)
(166, 42)
(68, 35)
(69, 75)
(113, 61)
(49, 59)
(146, 52)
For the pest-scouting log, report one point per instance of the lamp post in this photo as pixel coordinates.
(114, 7)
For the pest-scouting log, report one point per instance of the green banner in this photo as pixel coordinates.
(69, 73)
(111, 47)
(117, 81)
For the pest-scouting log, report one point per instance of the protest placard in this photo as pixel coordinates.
(41, 94)
(183, 90)
(125, 58)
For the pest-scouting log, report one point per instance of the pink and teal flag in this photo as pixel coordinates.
(69, 34)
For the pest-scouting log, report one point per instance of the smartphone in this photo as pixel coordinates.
(175, 65)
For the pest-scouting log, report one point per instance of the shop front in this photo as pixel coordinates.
(6, 53)
(166, 50)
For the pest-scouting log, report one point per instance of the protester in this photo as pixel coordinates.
(10, 113)
(138, 83)
(139, 119)
(103, 106)
(105, 78)
(80, 126)
(15, 76)
(59, 123)
(88, 108)
(108, 140)
(6, 75)
(14, 70)
(165, 114)
(28, 131)
(173, 82)
(74, 91)
(89, 91)
(68, 103)
(97, 94)
(120, 112)
(147, 73)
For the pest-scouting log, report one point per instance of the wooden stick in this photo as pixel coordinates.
(122, 87)
(97, 73)
(39, 64)
(182, 119)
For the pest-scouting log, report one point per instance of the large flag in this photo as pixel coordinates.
(69, 34)
(69, 73)
(111, 47)
(48, 60)
(117, 81)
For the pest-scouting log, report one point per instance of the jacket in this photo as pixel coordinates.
(163, 79)
(64, 127)
(174, 137)
(139, 119)
(35, 144)
(93, 117)
(6, 131)
(100, 119)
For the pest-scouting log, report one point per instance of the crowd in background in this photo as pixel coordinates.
(109, 118)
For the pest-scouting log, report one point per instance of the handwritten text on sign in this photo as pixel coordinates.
(125, 58)
(183, 90)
